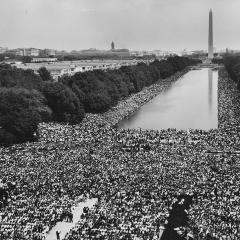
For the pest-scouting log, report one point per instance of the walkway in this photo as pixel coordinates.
(162, 228)
(65, 227)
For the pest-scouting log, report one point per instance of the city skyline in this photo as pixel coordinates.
(134, 24)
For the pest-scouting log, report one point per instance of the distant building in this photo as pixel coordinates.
(112, 46)
(3, 49)
(95, 52)
(47, 52)
(158, 53)
(120, 52)
(154, 53)
(231, 51)
(31, 52)
(60, 68)
(12, 51)
(43, 59)
(61, 53)
(90, 52)
(51, 52)
(20, 52)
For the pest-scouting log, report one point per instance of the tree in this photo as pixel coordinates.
(230, 62)
(26, 59)
(64, 104)
(14, 77)
(44, 74)
(99, 90)
(97, 102)
(20, 112)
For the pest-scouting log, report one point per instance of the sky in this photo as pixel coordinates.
(134, 24)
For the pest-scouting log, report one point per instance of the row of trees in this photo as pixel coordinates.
(232, 65)
(99, 90)
(27, 99)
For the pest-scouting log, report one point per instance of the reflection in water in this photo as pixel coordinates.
(210, 79)
(191, 102)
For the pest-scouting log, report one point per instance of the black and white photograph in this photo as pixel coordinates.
(119, 120)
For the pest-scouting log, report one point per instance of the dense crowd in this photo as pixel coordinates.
(137, 176)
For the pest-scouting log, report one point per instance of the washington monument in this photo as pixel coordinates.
(210, 36)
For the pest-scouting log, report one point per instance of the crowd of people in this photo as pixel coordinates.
(137, 176)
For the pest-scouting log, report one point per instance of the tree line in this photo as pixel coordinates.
(26, 99)
(232, 65)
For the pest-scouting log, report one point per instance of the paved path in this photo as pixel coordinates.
(162, 228)
(65, 227)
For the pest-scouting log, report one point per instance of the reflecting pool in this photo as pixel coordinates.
(191, 102)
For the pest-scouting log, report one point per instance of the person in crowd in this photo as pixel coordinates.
(58, 235)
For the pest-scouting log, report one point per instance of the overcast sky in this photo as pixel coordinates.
(133, 24)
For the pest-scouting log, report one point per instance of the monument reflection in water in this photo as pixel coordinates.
(210, 88)
(191, 102)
